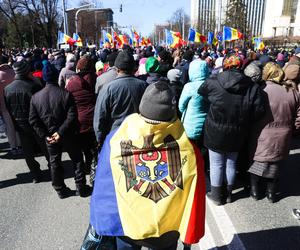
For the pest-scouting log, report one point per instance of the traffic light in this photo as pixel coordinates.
(121, 8)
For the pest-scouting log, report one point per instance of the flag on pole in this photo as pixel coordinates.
(196, 37)
(212, 39)
(231, 34)
(192, 35)
(169, 37)
(63, 38)
(106, 36)
(78, 41)
(258, 43)
(135, 36)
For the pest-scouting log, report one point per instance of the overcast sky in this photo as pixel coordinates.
(142, 14)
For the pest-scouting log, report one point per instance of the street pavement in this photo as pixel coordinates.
(33, 217)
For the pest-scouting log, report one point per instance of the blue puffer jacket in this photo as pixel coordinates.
(193, 107)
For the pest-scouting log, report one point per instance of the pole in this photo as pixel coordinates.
(220, 18)
(65, 17)
(183, 28)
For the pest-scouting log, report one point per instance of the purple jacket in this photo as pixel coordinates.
(271, 135)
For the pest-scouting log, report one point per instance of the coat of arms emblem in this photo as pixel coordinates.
(159, 169)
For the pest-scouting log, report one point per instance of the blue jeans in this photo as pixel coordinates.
(128, 245)
(222, 167)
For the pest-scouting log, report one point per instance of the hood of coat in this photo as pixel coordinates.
(198, 70)
(71, 66)
(292, 72)
(234, 81)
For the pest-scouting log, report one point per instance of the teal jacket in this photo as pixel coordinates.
(193, 106)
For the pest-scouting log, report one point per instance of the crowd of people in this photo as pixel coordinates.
(238, 107)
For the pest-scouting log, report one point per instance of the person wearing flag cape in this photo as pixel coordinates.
(150, 186)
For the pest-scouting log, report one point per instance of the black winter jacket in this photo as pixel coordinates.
(53, 109)
(115, 102)
(235, 103)
(17, 97)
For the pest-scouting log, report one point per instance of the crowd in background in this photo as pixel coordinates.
(238, 106)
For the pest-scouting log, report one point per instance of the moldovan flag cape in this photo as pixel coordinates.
(149, 181)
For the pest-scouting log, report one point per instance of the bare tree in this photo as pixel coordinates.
(11, 8)
(43, 13)
(177, 19)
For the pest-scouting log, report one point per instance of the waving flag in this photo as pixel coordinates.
(196, 37)
(124, 39)
(258, 43)
(169, 37)
(63, 38)
(149, 183)
(230, 34)
(117, 39)
(192, 35)
(200, 38)
(136, 36)
(212, 39)
(106, 36)
(78, 41)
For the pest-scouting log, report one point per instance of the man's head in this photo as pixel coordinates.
(158, 103)
(125, 63)
(22, 68)
(50, 73)
(111, 58)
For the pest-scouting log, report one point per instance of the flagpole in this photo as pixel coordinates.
(65, 17)
(183, 28)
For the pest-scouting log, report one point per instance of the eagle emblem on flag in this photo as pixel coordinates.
(153, 172)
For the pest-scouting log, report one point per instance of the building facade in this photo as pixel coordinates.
(255, 16)
(283, 20)
(266, 18)
(90, 22)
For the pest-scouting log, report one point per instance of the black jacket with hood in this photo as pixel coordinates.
(235, 103)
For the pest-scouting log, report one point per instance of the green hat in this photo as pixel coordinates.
(152, 65)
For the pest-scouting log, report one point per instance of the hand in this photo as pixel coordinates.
(54, 138)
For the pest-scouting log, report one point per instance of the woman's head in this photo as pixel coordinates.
(273, 72)
(232, 61)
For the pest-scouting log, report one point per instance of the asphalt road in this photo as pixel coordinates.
(32, 216)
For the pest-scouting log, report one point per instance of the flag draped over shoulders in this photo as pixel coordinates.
(149, 181)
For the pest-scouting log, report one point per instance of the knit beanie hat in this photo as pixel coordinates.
(50, 73)
(174, 75)
(21, 68)
(125, 61)
(152, 65)
(158, 102)
(85, 64)
(232, 62)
